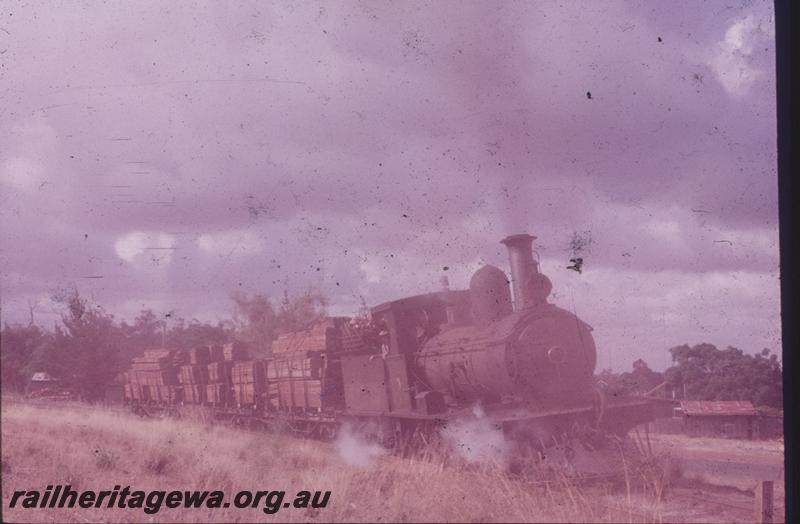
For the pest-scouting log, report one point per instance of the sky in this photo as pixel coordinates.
(164, 155)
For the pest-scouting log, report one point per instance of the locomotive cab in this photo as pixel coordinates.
(382, 374)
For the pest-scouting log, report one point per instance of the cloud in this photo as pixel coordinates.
(158, 246)
(22, 174)
(733, 61)
(28, 143)
(361, 148)
(227, 243)
(642, 313)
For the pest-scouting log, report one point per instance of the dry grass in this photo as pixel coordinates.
(97, 448)
(751, 460)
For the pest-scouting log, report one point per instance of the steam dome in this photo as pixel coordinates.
(490, 294)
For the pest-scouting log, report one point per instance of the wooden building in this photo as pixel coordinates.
(40, 383)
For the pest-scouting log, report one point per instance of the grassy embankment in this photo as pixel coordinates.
(98, 448)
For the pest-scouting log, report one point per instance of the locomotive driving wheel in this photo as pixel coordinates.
(327, 431)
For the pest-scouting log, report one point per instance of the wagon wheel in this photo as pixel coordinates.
(257, 424)
(327, 432)
(254, 424)
(333, 429)
(279, 426)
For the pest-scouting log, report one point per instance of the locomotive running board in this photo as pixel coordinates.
(633, 410)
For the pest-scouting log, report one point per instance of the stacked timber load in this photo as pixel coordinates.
(216, 352)
(153, 378)
(235, 351)
(220, 372)
(127, 388)
(200, 355)
(190, 374)
(219, 383)
(297, 369)
(321, 336)
(362, 334)
(193, 376)
(249, 380)
(218, 388)
(295, 380)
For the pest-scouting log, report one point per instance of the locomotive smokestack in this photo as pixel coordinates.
(530, 287)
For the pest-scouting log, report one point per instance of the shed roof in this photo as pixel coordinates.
(706, 408)
(42, 376)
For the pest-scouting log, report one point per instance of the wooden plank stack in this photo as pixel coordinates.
(235, 351)
(127, 387)
(193, 376)
(218, 389)
(296, 371)
(200, 355)
(295, 380)
(319, 337)
(249, 380)
(220, 372)
(194, 393)
(204, 374)
(168, 394)
(217, 393)
(152, 377)
(217, 353)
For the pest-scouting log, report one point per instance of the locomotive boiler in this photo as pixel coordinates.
(532, 352)
(411, 367)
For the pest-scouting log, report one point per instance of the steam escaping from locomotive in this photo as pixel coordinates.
(356, 450)
(478, 440)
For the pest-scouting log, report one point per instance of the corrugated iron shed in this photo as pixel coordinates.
(722, 408)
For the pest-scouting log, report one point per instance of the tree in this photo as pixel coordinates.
(642, 379)
(146, 332)
(297, 313)
(19, 346)
(84, 352)
(196, 333)
(258, 321)
(89, 348)
(703, 372)
(637, 382)
(255, 321)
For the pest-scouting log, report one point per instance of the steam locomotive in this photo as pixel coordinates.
(411, 367)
